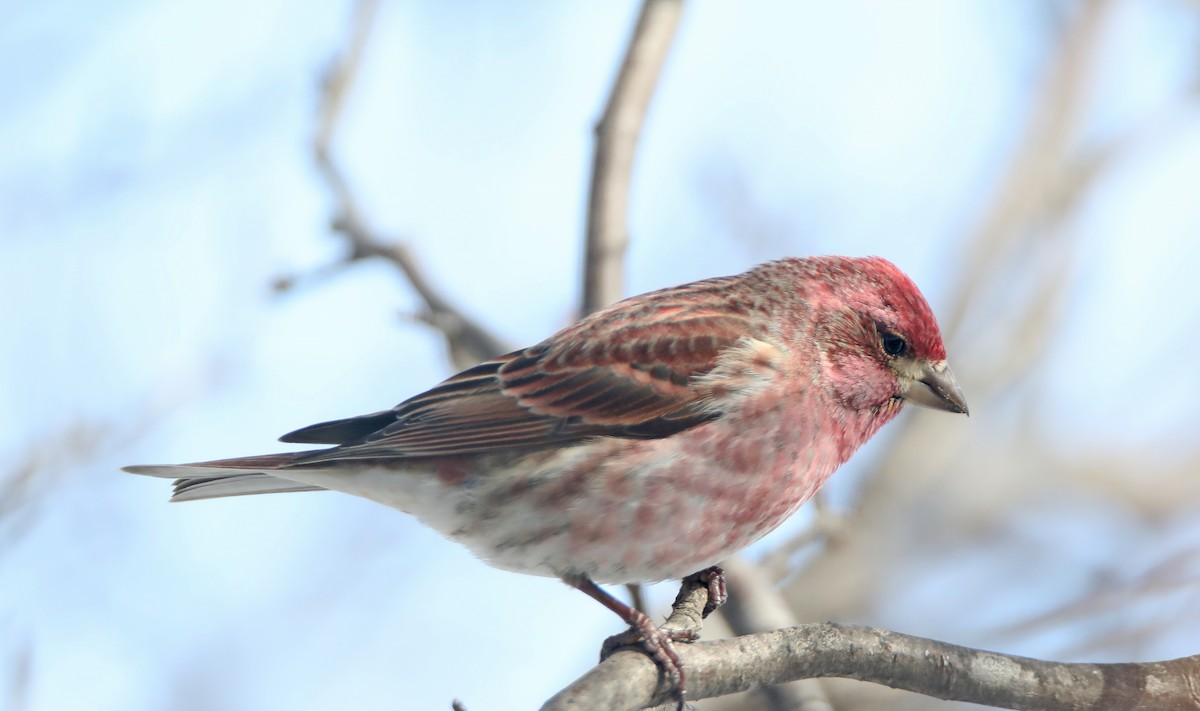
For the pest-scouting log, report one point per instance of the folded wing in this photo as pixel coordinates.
(628, 371)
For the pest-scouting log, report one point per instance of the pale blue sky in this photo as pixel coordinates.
(156, 175)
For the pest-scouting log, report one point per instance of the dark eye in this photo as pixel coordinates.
(895, 346)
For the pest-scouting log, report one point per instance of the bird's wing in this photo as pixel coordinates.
(630, 371)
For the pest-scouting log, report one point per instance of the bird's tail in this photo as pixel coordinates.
(227, 477)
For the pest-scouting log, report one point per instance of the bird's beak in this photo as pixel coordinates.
(932, 385)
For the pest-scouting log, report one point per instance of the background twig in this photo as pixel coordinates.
(467, 341)
(616, 141)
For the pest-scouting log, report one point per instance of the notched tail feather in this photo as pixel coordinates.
(241, 476)
(217, 487)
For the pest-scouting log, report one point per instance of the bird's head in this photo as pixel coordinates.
(879, 342)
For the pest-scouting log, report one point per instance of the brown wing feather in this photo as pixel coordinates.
(627, 371)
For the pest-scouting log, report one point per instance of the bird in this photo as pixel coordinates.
(648, 441)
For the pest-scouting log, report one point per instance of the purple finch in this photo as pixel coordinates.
(651, 440)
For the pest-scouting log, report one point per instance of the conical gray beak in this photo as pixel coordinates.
(935, 387)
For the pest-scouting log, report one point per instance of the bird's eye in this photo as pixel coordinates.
(895, 346)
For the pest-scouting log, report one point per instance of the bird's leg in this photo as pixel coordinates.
(659, 643)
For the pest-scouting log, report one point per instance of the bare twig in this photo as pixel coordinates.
(18, 674)
(826, 525)
(637, 596)
(467, 340)
(1038, 167)
(929, 667)
(687, 612)
(1176, 573)
(27, 485)
(616, 139)
(340, 75)
(757, 606)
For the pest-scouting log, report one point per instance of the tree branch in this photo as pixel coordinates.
(468, 341)
(616, 140)
(756, 605)
(628, 680)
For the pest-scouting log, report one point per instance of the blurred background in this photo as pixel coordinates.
(172, 291)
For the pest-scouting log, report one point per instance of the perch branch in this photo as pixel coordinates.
(946, 671)
(756, 605)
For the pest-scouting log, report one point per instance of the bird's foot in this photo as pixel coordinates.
(659, 642)
(714, 579)
(659, 645)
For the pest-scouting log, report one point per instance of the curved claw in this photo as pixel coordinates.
(656, 642)
(659, 645)
(714, 578)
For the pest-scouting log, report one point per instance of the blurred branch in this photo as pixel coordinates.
(18, 674)
(1154, 493)
(629, 680)
(467, 340)
(826, 526)
(1021, 238)
(340, 74)
(1177, 572)
(616, 140)
(1037, 168)
(637, 596)
(27, 484)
